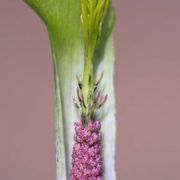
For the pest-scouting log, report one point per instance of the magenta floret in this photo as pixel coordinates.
(87, 152)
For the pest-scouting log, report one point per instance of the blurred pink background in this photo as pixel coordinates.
(147, 90)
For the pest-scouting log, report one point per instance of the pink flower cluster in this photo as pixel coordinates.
(87, 152)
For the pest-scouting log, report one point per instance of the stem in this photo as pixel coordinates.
(88, 83)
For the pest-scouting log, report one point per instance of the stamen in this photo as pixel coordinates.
(97, 97)
(103, 101)
(75, 103)
(79, 95)
(100, 78)
(79, 81)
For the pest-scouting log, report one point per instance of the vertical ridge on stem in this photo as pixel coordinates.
(60, 148)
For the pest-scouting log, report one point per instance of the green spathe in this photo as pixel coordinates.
(62, 18)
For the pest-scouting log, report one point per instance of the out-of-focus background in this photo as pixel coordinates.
(147, 89)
